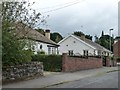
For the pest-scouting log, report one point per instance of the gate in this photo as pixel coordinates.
(104, 60)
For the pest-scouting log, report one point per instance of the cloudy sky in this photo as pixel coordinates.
(88, 16)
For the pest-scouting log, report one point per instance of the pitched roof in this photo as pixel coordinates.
(88, 42)
(27, 32)
(97, 46)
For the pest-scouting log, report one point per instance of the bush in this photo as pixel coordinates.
(50, 62)
(118, 59)
(23, 57)
(41, 52)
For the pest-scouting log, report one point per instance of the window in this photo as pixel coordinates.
(52, 50)
(85, 52)
(41, 46)
(99, 52)
(70, 52)
(49, 50)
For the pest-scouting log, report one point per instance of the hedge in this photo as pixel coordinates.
(51, 62)
(117, 58)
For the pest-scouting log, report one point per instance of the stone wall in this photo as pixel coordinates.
(77, 63)
(20, 72)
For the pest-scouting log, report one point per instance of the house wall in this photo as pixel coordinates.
(53, 50)
(75, 45)
(35, 46)
(76, 63)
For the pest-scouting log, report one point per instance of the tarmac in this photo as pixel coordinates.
(54, 78)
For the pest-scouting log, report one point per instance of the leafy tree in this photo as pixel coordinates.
(102, 33)
(118, 37)
(56, 37)
(41, 31)
(79, 33)
(88, 37)
(105, 41)
(12, 47)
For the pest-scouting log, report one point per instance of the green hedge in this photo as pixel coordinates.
(117, 58)
(51, 62)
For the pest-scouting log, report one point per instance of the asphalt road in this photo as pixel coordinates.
(105, 80)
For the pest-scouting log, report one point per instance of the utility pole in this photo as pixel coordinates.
(110, 46)
(110, 38)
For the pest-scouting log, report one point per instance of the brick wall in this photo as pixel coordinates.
(116, 49)
(76, 63)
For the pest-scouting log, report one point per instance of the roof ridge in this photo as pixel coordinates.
(98, 46)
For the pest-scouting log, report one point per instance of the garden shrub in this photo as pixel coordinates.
(41, 52)
(50, 62)
(118, 59)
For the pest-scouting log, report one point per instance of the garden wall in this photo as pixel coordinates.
(77, 63)
(20, 72)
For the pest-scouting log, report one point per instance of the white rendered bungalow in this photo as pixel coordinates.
(75, 45)
(40, 42)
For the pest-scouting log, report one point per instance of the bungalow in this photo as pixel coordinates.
(75, 45)
(36, 41)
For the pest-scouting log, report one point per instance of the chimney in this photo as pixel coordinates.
(47, 33)
(83, 37)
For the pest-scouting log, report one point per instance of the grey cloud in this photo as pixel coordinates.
(93, 17)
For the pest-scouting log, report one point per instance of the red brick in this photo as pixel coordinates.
(75, 63)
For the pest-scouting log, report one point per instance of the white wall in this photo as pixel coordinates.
(44, 48)
(37, 44)
(77, 47)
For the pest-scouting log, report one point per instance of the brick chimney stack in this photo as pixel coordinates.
(47, 33)
(83, 37)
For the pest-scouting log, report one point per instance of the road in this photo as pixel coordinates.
(105, 80)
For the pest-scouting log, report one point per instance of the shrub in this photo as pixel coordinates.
(41, 52)
(118, 59)
(50, 62)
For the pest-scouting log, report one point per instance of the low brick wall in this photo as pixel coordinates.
(20, 72)
(76, 63)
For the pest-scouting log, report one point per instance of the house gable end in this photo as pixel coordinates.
(77, 40)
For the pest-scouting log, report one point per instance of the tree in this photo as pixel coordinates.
(56, 37)
(102, 33)
(88, 37)
(12, 47)
(105, 41)
(79, 33)
(40, 30)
